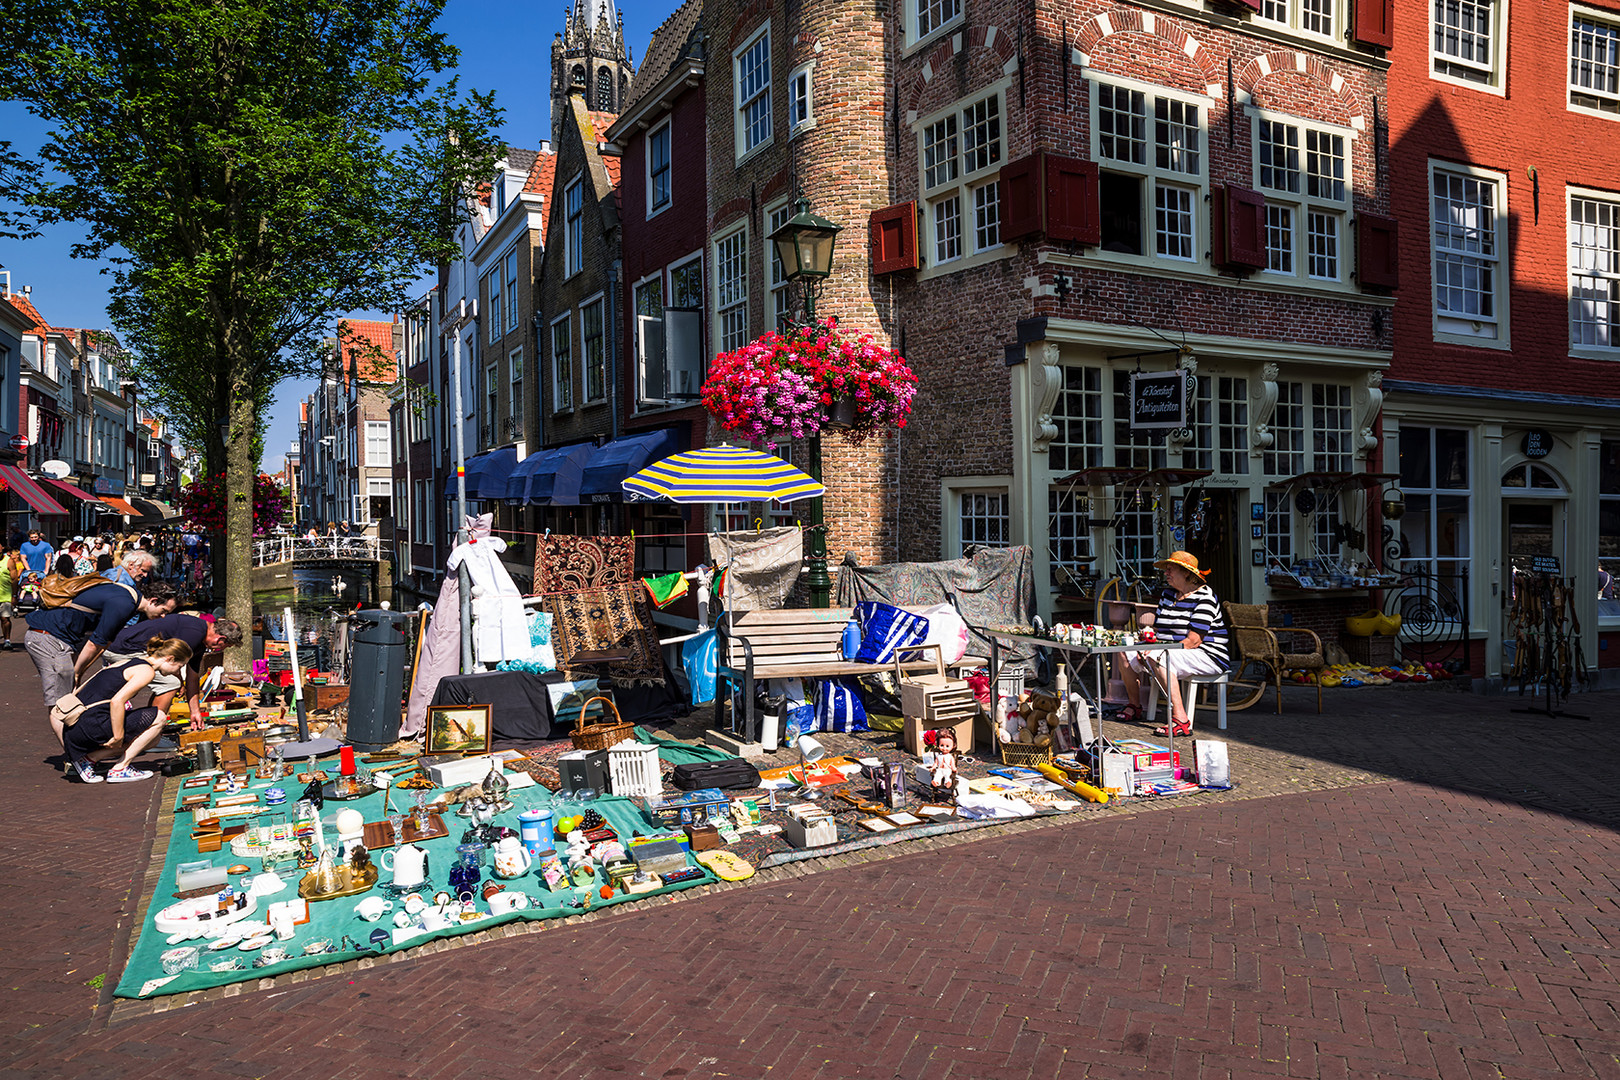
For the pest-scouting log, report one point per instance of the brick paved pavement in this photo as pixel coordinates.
(1418, 883)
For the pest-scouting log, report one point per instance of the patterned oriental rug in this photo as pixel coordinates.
(564, 564)
(612, 617)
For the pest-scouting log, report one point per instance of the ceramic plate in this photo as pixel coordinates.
(257, 942)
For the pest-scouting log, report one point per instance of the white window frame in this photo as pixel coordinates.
(1301, 204)
(947, 20)
(1485, 75)
(599, 302)
(779, 297)
(514, 373)
(726, 250)
(1463, 328)
(574, 226)
(961, 183)
(952, 488)
(1608, 106)
(492, 288)
(748, 134)
(509, 263)
(1152, 176)
(666, 130)
(562, 375)
(492, 400)
(377, 444)
(801, 98)
(1296, 16)
(1586, 254)
(1434, 491)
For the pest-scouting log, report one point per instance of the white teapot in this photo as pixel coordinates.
(408, 863)
(511, 858)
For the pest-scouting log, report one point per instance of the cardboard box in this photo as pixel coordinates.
(585, 769)
(912, 733)
(454, 774)
(813, 827)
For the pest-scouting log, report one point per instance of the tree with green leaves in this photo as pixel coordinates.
(250, 172)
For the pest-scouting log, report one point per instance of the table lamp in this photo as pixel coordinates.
(810, 752)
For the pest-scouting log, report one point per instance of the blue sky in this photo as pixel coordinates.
(504, 47)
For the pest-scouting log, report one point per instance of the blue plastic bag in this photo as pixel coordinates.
(699, 656)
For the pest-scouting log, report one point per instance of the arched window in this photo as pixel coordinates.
(604, 89)
(579, 74)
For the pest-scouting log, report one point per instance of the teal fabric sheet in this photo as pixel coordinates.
(679, 753)
(332, 919)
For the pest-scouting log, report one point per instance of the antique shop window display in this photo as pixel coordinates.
(1434, 531)
(1069, 540)
(1232, 426)
(1608, 545)
(1286, 457)
(1279, 527)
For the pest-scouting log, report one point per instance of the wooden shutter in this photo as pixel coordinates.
(894, 238)
(1020, 184)
(1073, 207)
(1377, 251)
(1252, 5)
(1237, 228)
(1375, 23)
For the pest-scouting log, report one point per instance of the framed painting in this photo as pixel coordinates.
(459, 729)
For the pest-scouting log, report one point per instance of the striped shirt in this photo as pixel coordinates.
(1196, 613)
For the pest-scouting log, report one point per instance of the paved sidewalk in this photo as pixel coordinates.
(1417, 883)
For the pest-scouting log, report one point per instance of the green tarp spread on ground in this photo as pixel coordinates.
(332, 919)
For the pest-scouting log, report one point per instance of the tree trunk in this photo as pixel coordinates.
(240, 471)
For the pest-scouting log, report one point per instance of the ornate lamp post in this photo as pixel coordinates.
(804, 243)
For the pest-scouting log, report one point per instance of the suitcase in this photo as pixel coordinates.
(730, 773)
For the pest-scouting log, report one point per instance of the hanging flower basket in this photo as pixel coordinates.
(798, 384)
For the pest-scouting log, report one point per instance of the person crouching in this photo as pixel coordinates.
(107, 720)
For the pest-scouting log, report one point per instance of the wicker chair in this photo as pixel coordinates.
(1260, 657)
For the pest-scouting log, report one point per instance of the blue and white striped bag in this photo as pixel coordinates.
(886, 629)
(838, 706)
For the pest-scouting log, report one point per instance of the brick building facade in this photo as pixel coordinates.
(1504, 396)
(796, 100)
(1087, 190)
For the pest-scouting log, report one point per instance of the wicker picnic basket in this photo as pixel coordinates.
(1018, 753)
(601, 735)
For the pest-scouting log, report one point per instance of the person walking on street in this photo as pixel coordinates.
(108, 720)
(37, 553)
(12, 568)
(64, 641)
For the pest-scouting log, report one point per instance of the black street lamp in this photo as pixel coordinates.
(805, 243)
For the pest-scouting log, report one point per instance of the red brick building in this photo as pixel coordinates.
(1083, 191)
(1504, 396)
(660, 140)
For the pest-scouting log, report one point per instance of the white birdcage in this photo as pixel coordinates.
(633, 769)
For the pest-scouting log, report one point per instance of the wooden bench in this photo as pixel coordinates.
(792, 644)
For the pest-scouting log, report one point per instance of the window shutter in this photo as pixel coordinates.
(650, 359)
(1073, 208)
(1375, 22)
(1237, 228)
(1377, 251)
(1021, 198)
(894, 238)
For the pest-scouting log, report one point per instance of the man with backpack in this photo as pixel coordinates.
(68, 633)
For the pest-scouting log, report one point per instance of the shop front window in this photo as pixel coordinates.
(1608, 577)
(1434, 531)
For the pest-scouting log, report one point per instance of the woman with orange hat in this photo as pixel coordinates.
(1189, 615)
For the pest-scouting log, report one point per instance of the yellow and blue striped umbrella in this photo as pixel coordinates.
(721, 474)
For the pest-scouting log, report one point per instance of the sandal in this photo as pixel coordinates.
(1174, 729)
(1131, 714)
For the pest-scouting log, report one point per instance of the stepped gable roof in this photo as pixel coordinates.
(368, 350)
(670, 42)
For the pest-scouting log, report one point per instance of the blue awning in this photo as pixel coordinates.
(620, 459)
(486, 474)
(549, 477)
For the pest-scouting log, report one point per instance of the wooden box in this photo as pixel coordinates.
(937, 701)
(330, 697)
(1375, 651)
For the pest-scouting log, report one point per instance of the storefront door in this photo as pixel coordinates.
(1534, 539)
(1220, 548)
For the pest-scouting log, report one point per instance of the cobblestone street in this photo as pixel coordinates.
(1417, 883)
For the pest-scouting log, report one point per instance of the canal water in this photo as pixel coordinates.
(317, 595)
